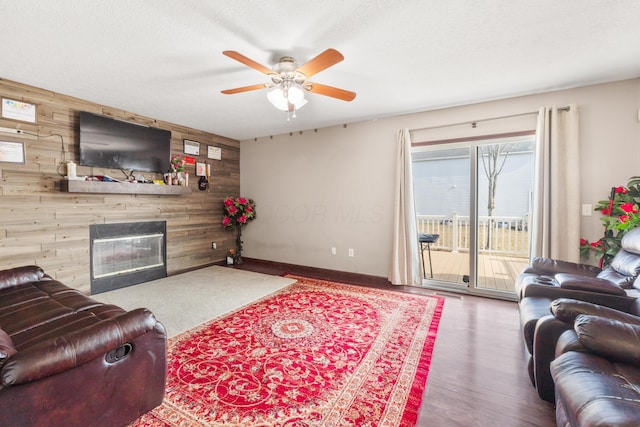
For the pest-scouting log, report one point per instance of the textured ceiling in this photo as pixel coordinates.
(163, 58)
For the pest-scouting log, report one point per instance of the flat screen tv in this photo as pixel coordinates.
(109, 143)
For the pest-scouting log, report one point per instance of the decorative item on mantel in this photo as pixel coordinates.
(177, 167)
(238, 212)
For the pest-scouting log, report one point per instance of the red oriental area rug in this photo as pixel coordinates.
(316, 353)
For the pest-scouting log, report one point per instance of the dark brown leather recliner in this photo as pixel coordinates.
(68, 360)
(547, 279)
(596, 371)
(554, 335)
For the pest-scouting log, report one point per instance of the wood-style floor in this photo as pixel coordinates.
(497, 272)
(478, 375)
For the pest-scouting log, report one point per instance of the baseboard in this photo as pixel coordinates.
(322, 273)
(196, 267)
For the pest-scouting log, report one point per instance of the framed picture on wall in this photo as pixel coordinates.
(201, 169)
(191, 147)
(11, 152)
(18, 110)
(214, 153)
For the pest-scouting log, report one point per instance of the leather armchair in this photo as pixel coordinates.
(554, 335)
(598, 383)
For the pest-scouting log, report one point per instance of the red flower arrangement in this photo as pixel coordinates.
(238, 211)
(177, 163)
(620, 215)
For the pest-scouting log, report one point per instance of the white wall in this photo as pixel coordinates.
(334, 187)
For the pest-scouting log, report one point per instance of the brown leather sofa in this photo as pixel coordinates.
(561, 279)
(596, 371)
(545, 280)
(68, 360)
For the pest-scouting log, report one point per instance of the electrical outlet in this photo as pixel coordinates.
(351, 254)
(334, 250)
(587, 209)
(214, 245)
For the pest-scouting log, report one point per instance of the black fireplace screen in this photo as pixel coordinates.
(127, 254)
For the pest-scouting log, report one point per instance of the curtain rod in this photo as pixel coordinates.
(473, 122)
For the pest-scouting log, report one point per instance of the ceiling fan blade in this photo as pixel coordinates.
(321, 62)
(331, 91)
(245, 89)
(246, 61)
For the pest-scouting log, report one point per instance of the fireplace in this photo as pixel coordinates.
(127, 254)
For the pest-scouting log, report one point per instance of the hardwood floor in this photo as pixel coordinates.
(478, 375)
(497, 272)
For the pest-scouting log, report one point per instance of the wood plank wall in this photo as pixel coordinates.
(40, 224)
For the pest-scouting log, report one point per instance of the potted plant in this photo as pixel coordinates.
(237, 213)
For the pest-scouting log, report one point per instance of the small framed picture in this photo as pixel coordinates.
(18, 110)
(201, 169)
(11, 152)
(191, 147)
(214, 153)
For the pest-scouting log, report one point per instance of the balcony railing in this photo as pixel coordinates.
(506, 235)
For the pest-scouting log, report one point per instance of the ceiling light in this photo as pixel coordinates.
(287, 99)
(295, 95)
(277, 98)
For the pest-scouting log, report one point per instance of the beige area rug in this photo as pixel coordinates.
(186, 300)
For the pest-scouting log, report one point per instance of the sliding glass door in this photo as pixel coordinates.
(442, 189)
(473, 205)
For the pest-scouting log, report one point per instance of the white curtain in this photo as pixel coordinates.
(405, 266)
(555, 230)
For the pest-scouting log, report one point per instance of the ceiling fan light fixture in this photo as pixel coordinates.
(295, 95)
(281, 98)
(276, 78)
(277, 99)
(290, 80)
(299, 78)
(301, 104)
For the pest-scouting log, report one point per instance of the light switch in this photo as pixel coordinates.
(587, 209)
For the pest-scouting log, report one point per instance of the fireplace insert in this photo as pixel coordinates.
(126, 254)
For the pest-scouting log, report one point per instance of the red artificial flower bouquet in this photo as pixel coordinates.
(177, 163)
(238, 211)
(619, 215)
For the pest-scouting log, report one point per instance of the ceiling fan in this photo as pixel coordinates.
(290, 80)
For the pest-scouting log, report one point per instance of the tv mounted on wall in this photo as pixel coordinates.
(115, 144)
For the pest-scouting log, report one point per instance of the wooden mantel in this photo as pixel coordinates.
(102, 187)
